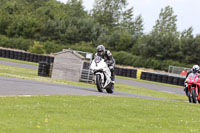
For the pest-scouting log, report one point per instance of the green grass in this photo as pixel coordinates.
(19, 61)
(30, 74)
(91, 114)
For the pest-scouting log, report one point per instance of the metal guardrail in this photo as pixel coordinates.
(86, 75)
(177, 70)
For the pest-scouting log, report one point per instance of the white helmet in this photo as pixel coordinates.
(195, 68)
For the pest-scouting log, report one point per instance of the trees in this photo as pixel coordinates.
(163, 41)
(108, 12)
(56, 25)
(114, 14)
(123, 29)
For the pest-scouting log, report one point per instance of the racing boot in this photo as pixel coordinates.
(112, 79)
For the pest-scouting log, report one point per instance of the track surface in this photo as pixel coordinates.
(22, 87)
(15, 87)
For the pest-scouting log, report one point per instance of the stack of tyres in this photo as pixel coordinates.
(0, 52)
(12, 54)
(116, 70)
(19, 57)
(134, 73)
(175, 80)
(181, 81)
(148, 76)
(7, 52)
(36, 58)
(27, 57)
(164, 78)
(123, 72)
(129, 72)
(159, 78)
(143, 76)
(3, 53)
(43, 69)
(153, 77)
(170, 79)
(51, 59)
(48, 59)
(23, 55)
(16, 55)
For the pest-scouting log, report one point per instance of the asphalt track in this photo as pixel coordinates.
(21, 87)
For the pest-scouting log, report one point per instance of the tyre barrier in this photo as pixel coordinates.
(25, 56)
(44, 69)
(163, 78)
(153, 77)
(132, 73)
(45, 64)
(143, 75)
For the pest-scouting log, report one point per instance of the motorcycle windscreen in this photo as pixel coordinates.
(97, 59)
(192, 75)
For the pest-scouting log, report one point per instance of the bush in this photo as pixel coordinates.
(125, 58)
(83, 46)
(37, 48)
(17, 43)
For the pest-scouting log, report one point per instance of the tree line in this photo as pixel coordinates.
(48, 26)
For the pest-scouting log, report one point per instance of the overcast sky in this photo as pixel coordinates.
(187, 11)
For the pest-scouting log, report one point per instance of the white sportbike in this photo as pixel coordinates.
(102, 75)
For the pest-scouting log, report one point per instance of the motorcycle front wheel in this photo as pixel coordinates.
(99, 83)
(194, 96)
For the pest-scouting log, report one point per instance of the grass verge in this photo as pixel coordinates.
(59, 114)
(19, 61)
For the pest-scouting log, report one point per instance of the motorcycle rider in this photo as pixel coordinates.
(108, 58)
(195, 69)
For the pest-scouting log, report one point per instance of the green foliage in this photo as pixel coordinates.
(108, 12)
(163, 42)
(83, 46)
(125, 58)
(51, 47)
(17, 43)
(57, 25)
(37, 48)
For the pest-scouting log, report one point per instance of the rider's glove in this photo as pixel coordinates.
(108, 62)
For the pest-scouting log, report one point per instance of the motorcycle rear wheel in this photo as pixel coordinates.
(99, 83)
